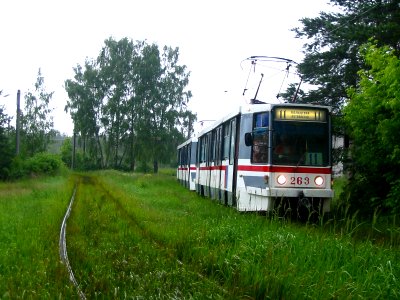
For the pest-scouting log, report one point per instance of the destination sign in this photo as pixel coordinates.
(300, 114)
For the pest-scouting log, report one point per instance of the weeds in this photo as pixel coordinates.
(246, 255)
(30, 216)
(145, 236)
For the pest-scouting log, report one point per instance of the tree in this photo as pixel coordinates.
(373, 119)
(117, 71)
(331, 53)
(163, 101)
(133, 99)
(66, 151)
(86, 108)
(37, 124)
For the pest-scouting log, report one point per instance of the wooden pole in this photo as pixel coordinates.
(17, 125)
(73, 151)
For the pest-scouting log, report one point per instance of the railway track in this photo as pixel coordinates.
(63, 247)
(132, 262)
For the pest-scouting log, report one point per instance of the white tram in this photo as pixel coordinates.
(265, 154)
(186, 172)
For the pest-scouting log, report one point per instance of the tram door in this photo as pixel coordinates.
(187, 165)
(230, 161)
(217, 169)
(209, 164)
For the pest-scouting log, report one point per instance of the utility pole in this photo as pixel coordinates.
(17, 125)
(73, 150)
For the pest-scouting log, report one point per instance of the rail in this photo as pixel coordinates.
(63, 248)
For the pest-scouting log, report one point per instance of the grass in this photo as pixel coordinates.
(30, 216)
(223, 253)
(114, 253)
(382, 230)
(146, 237)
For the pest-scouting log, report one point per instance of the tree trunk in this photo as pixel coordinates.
(155, 167)
(100, 150)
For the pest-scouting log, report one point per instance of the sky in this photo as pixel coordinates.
(214, 38)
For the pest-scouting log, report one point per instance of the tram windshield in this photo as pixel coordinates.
(300, 143)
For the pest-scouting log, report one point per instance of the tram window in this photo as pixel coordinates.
(309, 143)
(218, 145)
(189, 149)
(203, 149)
(261, 120)
(183, 152)
(226, 140)
(260, 138)
(233, 137)
(208, 147)
(212, 146)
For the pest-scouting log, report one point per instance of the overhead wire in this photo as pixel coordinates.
(260, 59)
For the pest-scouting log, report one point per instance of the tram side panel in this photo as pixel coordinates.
(201, 166)
(251, 191)
(192, 168)
(227, 186)
(180, 172)
(215, 166)
(186, 170)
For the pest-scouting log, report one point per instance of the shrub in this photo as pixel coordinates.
(43, 163)
(372, 116)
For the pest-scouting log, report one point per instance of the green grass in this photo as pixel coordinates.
(338, 186)
(30, 216)
(380, 229)
(161, 231)
(114, 253)
(146, 237)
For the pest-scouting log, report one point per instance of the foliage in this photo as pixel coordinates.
(142, 236)
(66, 151)
(31, 211)
(331, 58)
(37, 124)
(43, 163)
(40, 164)
(128, 104)
(146, 237)
(373, 118)
(331, 64)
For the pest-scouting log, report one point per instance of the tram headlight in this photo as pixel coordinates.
(281, 179)
(319, 180)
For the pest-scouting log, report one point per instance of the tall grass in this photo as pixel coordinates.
(30, 216)
(155, 230)
(146, 237)
(116, 254)
(379, 229)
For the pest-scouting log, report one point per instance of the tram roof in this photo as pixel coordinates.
(254, 108)
(188, 141)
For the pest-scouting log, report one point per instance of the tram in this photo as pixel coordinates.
(260, 156)
(186, 171)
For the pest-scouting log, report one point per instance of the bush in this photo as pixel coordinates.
(143, 167)
(17, 168)
(44, 163)
(39, 164)
(66, 151)
(373, 119)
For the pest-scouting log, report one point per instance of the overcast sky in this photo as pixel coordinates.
(214, 37)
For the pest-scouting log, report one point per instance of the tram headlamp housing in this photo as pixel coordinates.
(281, 179)
(319, 180)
